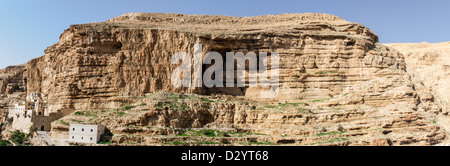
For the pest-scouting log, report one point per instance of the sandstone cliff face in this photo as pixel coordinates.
(12, 87)
(105, 65)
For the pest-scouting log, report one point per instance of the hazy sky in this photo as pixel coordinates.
(28, 27)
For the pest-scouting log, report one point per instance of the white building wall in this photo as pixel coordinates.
(83, 133)
(22, 118)
(16, 110)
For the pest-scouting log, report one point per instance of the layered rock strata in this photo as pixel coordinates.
(12, 87)
(105, 65)
(171, 119)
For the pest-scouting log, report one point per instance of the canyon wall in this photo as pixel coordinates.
(337, 84)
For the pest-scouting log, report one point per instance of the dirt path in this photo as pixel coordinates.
(43, 135)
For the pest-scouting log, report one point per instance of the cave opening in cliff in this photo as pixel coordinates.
(351, 43)
(234, 91)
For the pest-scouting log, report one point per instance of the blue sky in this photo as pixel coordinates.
(28, 27)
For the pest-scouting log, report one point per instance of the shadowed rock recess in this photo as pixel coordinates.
(338, 84)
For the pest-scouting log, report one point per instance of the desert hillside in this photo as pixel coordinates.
(430, 64)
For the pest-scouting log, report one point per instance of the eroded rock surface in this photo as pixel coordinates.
(338, 84)
(104, 64)
(12, 87)
(429, 64)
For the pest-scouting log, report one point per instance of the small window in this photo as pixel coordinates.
(82, 129)
(81, 137)
(73, 137)
(91, 138)
(92, 130)
(73, 129)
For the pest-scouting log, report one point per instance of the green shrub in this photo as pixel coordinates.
(120, 113)
(79, 113)
(282, 104)
(177, 143)
(128, 107)
(132, 127)
(64, 123)
(173, 106)
(18, 137)
(270, 106)
(74, 120)
(292, 104)
(209, 133)
(321, 100)
(185, 107)
(207, 100)
(262, 143)
(105, 142)
(323, 132)
(333, 140)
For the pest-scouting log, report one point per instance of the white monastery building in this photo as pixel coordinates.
(84, 133)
